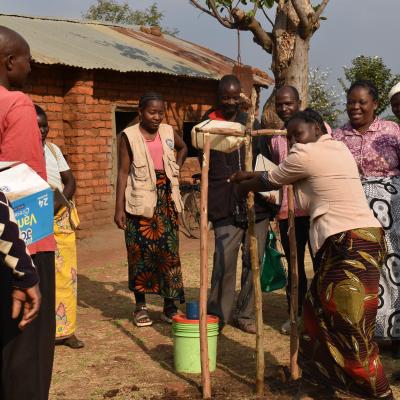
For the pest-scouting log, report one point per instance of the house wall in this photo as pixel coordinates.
(80, 106)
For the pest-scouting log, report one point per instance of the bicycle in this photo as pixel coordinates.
(190, 216)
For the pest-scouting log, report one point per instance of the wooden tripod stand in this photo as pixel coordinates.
(260, 363)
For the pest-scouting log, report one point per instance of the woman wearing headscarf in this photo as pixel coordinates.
(375, 145)
(337, 348)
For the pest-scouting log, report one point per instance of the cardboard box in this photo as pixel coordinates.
(32, 200)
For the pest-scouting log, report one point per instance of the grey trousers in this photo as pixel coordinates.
(228, 240)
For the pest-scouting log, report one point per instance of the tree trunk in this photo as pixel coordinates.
(289, 59)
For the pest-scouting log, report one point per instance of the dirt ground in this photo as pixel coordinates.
(123, 362)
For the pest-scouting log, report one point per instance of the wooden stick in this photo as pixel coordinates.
(255, 262)
(235, 132)
(269, 132)
(221, 131)
(294, 338)
(205, 370)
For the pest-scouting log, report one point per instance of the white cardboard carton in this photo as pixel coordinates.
(31, 198)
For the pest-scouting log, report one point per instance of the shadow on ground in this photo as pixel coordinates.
(235, 359)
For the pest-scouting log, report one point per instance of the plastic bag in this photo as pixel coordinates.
(273, 276)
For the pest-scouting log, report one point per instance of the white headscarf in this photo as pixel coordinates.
(395, 89)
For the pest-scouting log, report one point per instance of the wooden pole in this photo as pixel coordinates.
(294, 337)
(255, 262)
(235, 132)
(269, 132)
(205, 370)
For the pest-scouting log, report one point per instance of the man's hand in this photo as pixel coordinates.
(242, 176)
(270, 198)
(28, 300)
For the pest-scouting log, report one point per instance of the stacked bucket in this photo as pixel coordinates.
(186, 334)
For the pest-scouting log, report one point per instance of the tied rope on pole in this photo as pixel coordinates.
(294, 289)
(205, 368)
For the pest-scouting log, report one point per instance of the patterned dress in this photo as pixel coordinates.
(153, 248)
(377, 153)
(337, 345)
(65, 256)
(66, 275)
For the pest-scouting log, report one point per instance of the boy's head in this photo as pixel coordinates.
(229, 95)
(42, 122)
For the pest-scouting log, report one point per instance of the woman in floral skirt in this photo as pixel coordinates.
(147, 204)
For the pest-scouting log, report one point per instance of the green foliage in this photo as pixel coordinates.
(229, 4)
(391, 117)
(323, 97)
(375, 70)
(122, 13)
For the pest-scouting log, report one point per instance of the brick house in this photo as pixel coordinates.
(88, 77)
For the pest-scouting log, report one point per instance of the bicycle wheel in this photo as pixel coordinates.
(191, 213)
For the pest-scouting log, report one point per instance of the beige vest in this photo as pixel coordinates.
(141, 192)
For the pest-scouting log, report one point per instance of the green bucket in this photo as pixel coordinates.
(186, 336)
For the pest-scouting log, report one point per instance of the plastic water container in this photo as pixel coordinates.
(186, 335)
(192, 310)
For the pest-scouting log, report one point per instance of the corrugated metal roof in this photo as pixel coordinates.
(98, 45)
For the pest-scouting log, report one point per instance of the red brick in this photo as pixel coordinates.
(83, 175)
(83, 157)
(92, 149)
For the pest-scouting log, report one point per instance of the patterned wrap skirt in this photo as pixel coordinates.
(66, 275)
(337, 347)
(152, 244)
(383, 195)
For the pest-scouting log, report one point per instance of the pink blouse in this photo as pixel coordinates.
(156, 152)
(377, 151)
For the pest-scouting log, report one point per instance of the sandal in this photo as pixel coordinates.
(141, 317)
(169, 312)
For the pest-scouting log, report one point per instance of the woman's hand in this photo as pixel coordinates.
(120, 219)
(57, 206)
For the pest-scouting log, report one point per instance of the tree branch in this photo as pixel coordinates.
(244, 23)
(222, 21)
(213, 13)
(302, 12)
(241, 21)
(266, 16)
(201, 8)
(305, 13)
(320, 10)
